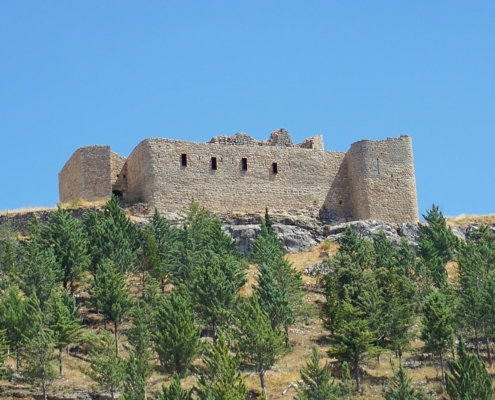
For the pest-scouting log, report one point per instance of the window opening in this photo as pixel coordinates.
(118, 193)
(340, 202)
(244, 164)
(275, 168)
(124, 176)
(213, 163)
(183, 160)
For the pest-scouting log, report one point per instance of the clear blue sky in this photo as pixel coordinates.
(76, 73)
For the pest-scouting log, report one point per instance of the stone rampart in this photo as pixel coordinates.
(373, 180)
(275, 177)
(382, 181)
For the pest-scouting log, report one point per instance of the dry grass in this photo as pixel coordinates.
(464, 220)
(303, 336)
(26, 210)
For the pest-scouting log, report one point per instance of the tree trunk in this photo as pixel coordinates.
(400, 355)
(286, 337)
(477, 343)
(443, 369)
(262, 382)
(43, 386)
(116, 334)
(378, 358)
(358, 377)
(17, 360)
(488, 351)
(60, 349)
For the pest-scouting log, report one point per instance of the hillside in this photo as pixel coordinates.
(308, 238)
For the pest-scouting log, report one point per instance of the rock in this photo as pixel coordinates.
(244, 235)
(294, 238)
(410, 232)
(458, 232)
(318, 269)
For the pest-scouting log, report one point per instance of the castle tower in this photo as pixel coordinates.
(382, 181)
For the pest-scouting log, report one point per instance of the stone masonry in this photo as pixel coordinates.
(373, 180)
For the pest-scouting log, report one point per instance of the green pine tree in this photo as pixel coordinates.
(221, 379)
(112, 236)
(353, 340)
(138, 364)
(174, 391)
(400, 388)
(111, 293)
(258, 344)
(280, 285)
(468, 378)
(4, 347)
(107, 368)
(160, 247)
(437, 331)
(38, 359)
(64, 321)
(317, 381)
(176, 335)
(40, 274)
(66, 236)
(214, 287)
(14, 320)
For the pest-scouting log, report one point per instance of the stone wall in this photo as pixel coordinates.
(373, 180)
(87, 175)
(304, 177)
(382, 181)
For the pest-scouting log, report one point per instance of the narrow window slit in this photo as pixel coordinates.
(275, 168)
(214, 163)
(244, 164)
(183, 160)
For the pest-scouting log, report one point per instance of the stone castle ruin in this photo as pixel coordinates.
(373, 180)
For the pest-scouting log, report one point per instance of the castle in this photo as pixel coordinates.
(373, 180)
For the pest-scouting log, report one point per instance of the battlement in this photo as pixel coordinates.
(373, 180)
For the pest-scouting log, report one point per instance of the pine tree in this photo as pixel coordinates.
(107, 368)
(280, 285)
(468, 379)
(176, 335)
(437, 331)
(40, 272)
(66, 236)
(39, 359)
(214, 287)
(161, 247)
(272, 298)
(64, 322)
(4, 347)
(110, 292)
(259, 345)
(317, 382)
(14, 320)
(221, 379)
(437, 244)
(112, 236)
(353, 340)
(401, 389)
(138, 364)
(174, 391)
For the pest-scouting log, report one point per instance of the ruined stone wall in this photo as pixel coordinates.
(70, 179)
(305, 177)
(140, 175)
(87, 175)
(382, 181)
(118, 172)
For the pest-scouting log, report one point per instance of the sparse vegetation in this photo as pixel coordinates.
(251, 326)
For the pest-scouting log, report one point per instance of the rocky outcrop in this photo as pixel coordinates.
(299, 229)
